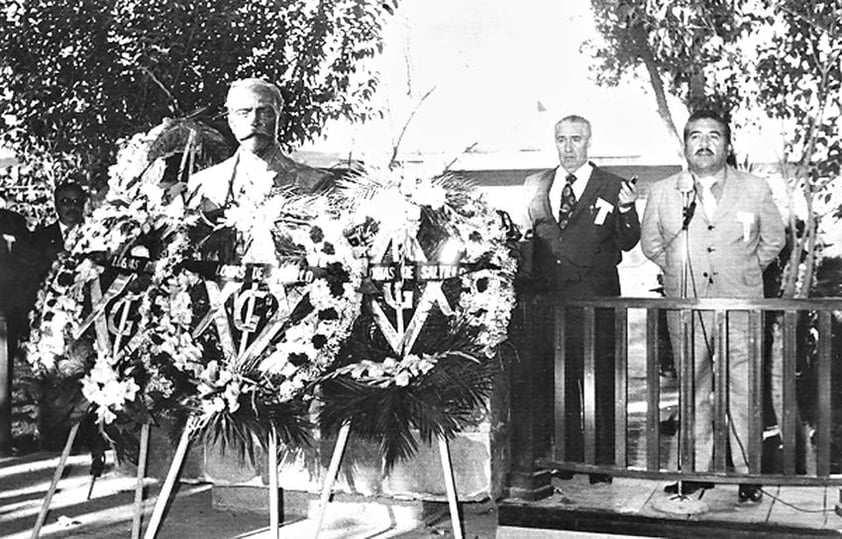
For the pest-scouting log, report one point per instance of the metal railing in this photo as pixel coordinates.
(5, 390)
(785, 314)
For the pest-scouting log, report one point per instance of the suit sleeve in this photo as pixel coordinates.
(651, 239)
(627, 229)
(770, 229)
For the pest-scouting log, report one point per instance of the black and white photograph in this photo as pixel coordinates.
(418, 269)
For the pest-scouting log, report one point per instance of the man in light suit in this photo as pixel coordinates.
(734, 230)
(582, 218)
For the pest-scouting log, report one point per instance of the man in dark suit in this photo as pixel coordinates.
(582, 218)
(14, 239)
(48, 241)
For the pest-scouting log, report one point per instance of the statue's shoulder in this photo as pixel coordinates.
(213, 171)
(304, 177)
(211, 183)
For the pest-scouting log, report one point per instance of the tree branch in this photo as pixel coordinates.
(396, 146)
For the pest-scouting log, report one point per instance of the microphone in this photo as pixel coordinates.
(687, 187)
(685, 183)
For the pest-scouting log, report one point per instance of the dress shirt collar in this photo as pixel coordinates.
(709, 181)
(583, 175)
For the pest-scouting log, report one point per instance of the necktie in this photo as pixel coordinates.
(709, 200)
(568, 202)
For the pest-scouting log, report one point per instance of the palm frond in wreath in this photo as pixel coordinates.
(248, 429)
(440, 403)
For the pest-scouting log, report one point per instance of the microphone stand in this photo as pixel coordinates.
(689, 208)
(679, 503)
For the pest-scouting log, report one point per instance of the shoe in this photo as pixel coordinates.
(688, 487)
(595, 478)
(564, 475)
(750, 493)
(669, 426)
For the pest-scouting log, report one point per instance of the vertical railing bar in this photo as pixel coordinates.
(721, 384)
(788, 425)
(621, 356)
(6, 405)
(560, 390)
(755, 391)
(687, 414)
(824, 378)
(653, 449)
(589, 386)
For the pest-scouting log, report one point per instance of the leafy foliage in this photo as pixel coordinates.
(799, 79)
(773, 58)
(442, 403)
(78, 76)
(687, 40)
(689, 49)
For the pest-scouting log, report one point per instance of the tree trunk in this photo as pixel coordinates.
(658, 88)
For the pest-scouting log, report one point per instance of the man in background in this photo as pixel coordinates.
(48, 241)
(14, 239)
(56, 404)
(582, 218)
(734, 230)
(14, 236)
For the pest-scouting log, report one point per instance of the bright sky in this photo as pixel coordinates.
(489, 63)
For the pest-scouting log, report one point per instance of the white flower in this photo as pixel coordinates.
(106, 390)
(402, 379)
(427, 194)
(320, 297)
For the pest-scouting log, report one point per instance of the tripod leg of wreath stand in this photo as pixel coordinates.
(450, 484)
(274, 517)
(332, 471)
(169, 482)
(141, 473)
(45, 506)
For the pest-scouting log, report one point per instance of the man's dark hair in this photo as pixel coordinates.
(708, 114)
(69, 186)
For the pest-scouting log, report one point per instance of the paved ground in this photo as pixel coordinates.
(24, 481)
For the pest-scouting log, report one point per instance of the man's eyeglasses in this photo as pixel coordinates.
(65, 201)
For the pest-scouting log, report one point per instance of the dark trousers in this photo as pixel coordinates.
(576, 380)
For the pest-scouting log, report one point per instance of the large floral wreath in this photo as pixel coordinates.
(236, 387)
(139, 227)
(439, 293)
(143, 242)
(137, 208)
